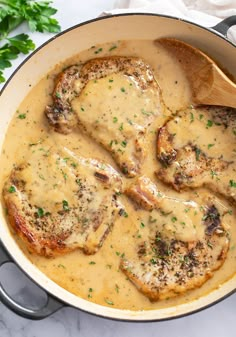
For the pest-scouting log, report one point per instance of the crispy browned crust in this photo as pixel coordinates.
(188, 166)
(60, 231)
(167, 268)
(63, 119)
(165, 265)
(60, 114)
(144, 193)
(165, 151)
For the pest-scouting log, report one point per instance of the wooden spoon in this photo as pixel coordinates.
(208, 82)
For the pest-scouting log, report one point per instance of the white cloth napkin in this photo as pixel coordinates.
(204, 12)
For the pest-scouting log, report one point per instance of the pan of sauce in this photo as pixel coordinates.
(69, 279)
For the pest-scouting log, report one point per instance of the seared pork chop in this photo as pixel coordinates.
(183, 245)
(167, 267)
(114, 100)
(58, 202)
(192, 157)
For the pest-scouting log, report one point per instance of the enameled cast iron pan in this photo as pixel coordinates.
(72, 41)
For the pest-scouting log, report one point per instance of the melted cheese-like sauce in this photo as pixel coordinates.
(75, 271)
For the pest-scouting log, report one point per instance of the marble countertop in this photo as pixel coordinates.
(216, 321)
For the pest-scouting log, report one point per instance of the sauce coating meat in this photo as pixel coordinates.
(136, 186)
(123, 114)
(77, 208)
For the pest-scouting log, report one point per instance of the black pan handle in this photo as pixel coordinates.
(223, 26)
(51, 306)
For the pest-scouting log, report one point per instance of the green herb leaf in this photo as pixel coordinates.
(123, 143)
(191, 117)
(40, 212)
(113, 47)
(210, 145)
(142, 225)
(15, 12)
(11, 189)
(65, 205)
(209, 124)
(22, 43)
(22, 116)
(232, 183)
(197, 152)
(108, 301)
(99, 50)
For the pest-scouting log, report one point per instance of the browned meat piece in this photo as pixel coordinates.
(223, 116)
(183, 243)
(114, 100)
(192, 168)
(165, 151)
(167, 267)
(184, 162)
(145, 193)
(60, 115)
(58, 202)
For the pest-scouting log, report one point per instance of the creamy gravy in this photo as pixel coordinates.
(75, 271)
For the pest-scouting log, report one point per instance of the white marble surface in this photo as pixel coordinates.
(217, 321)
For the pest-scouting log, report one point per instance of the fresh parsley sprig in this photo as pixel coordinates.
(37, 14)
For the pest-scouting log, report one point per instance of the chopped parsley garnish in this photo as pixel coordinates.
(209, 244)
(99, 50)
(232, 183)
(151, 219)
(115, 119)
(123, 143)
(78, 181)
(197, 152)
(90, 291)
(122, 89)
(191, 117)
(146, 113)
(61, 266)
(210, 145)
(213, 174)
(125, 214)
(65, 205)
(108, 301)
(142, 225)
(40, 212)
(22, 116)
(124, 170)
(209, 124)
(11, 189)
(113, 47)
(121, 128)
(173, 219)
(153, 261)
